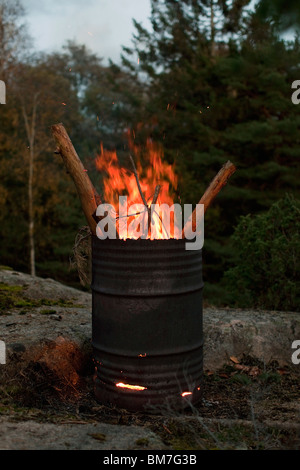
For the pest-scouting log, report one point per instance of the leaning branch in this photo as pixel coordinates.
(212, 191)
(85, 189)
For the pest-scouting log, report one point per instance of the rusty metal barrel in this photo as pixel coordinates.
(147, 329)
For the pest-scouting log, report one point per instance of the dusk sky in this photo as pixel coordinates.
(102, 25)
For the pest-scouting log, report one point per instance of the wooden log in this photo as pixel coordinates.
(212, 191)
(85, 189)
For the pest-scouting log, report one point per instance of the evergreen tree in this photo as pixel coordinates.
(266, 272)
(209, 104)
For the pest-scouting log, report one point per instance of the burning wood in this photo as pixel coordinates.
(155, 197)
(212, 191)
(118, 181)
(155, 183)
(86, 191)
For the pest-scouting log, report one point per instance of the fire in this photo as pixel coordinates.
(120, 181)
(131, 387)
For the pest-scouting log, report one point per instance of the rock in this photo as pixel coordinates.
(37, 288)
(30, 435)
(265, 335)
(43, 333)
(48, 346)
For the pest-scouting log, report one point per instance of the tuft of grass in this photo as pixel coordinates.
(269, 377)
(242, 379)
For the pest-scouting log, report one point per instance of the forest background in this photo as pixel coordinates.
(210, 82)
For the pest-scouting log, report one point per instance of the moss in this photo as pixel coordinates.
(99, 437)
(9, 296)
(20, 303)
(47, 311)
(184, 444)
(12, 297)
(142, 442)
(59, 303)
(7, 288)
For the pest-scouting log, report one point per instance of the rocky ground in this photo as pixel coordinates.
(250, 400)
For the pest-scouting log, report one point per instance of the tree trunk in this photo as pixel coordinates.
(31, 213)
(30, 131)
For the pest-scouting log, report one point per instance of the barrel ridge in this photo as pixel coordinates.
(144, 267)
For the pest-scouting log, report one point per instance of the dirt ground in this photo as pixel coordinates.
(244, 406)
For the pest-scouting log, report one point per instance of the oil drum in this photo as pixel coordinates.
(147, 331)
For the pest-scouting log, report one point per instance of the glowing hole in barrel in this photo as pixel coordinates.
(185, 394)
(131, 387)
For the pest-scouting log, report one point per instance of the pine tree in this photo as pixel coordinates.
(209, 104)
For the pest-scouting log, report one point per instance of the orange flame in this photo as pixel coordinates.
(130, 387)
(120, 181)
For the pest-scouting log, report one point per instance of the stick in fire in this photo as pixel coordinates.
(88, 194)
(155, 197)
(212, 191)
(85, 189)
